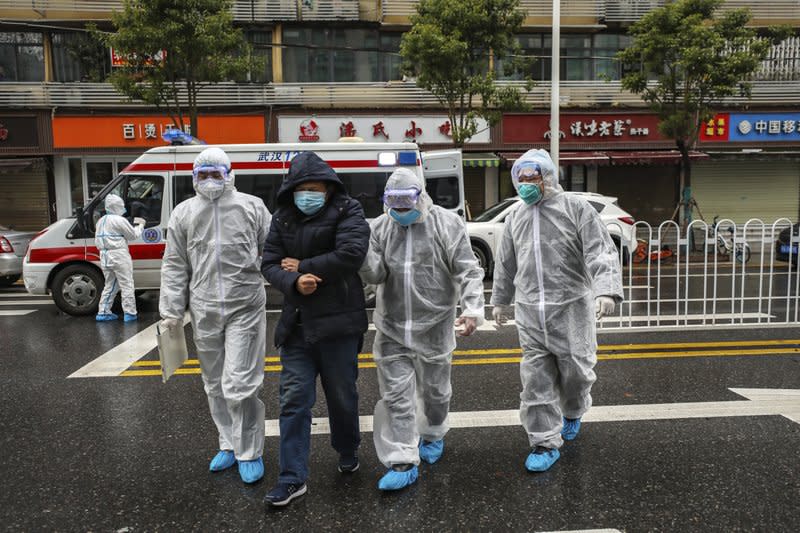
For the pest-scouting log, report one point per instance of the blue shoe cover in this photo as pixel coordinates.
(571, 428)
(540, 462)
(251, 471)
(394, 480)
(222, 461)
(107, 317)
(131, 318)
(430, 452)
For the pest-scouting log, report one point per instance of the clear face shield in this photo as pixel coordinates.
(401, 198)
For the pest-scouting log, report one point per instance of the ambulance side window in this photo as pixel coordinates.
(443, 191)
(142, 195)
(182, 188)
(367, 188)
(265, 186)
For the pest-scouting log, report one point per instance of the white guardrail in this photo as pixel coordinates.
(710, 275)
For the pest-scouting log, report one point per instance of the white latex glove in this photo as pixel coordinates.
(139, 221)
(470, 325)
(169, 323)
(603, 306)
(500, 313)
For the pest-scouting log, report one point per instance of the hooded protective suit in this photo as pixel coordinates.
(212, 263)
(111, 238)
(556, 256)
(423, 271)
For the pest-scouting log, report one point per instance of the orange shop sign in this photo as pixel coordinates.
(144, 131)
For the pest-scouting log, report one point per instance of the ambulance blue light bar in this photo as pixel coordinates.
(407, 158)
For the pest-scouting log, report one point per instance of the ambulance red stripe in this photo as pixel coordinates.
(90, 253)
(254, 165)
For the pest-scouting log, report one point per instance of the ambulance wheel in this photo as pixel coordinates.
(77, 288)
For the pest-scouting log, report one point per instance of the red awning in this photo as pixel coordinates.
(566, 158)
(652, 157)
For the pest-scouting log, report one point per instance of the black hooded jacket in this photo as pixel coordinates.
(331, 244)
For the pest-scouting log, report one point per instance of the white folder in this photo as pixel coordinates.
(172, 351)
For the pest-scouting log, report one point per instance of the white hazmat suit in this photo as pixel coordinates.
(555, 259)
(212, 263)
(423, 271)
(111, 238)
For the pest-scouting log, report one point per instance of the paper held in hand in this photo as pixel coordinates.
(172, 351)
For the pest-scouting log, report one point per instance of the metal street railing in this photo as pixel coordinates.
(702, 276)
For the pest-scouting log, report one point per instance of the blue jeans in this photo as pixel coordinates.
(336, 362)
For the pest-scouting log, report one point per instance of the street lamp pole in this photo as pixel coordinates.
(555, 75)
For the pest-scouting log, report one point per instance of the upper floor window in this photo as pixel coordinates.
(21, 56)
(583, 56)
(340, 55)
(79, 57)
(261, 51)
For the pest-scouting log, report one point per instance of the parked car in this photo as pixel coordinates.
(12, 251)
(486, 230)
(784, 249)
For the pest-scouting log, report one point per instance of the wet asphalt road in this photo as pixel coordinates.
(128, 453)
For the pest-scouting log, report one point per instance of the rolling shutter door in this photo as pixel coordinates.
(742, 190)
(23, 197)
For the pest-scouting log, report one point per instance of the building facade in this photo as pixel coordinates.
(331, 68)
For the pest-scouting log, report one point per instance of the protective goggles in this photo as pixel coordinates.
(529, 170)
(217, 172)
(401, 198)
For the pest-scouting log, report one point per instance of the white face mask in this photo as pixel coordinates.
(211, 188)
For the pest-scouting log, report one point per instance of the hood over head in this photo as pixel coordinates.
(115, 205)
(548, 170)
(404, 178)
(306, 166)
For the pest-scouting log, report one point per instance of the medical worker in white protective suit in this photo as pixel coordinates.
(111, 238)
(213, 264)
(421, 259)
(557, 257)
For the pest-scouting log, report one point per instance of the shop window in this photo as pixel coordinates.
(79, 57)
(21, 56)
(75, 184)
(98, 175)
(328, 55)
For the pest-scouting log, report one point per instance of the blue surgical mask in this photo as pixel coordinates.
(407, 218)
(530, 193)
(309, 202)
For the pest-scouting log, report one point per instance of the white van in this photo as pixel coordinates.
(63, 260)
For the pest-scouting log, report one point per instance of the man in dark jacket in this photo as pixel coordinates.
(316, 243)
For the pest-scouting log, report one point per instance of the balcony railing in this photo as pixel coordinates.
(351, 95)
(243, 10)
(398, 9)
(629, 10)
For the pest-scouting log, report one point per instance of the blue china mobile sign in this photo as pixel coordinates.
(752, 127)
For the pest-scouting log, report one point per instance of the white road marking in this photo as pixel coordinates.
(25, 295)
(118, 359)
(27, 302)
(760, 402)
(17, 312)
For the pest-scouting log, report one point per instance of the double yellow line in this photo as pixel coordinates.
(608, 352)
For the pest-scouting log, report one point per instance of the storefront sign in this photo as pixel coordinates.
(582, 128)
(752, 127)
(18, 132)
(420, 129)
(145, 131)
(123, 60)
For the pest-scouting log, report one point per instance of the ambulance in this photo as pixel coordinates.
(62, 260)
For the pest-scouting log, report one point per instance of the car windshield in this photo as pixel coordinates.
(493, 211)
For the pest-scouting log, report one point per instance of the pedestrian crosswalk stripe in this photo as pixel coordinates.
(17, 312)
